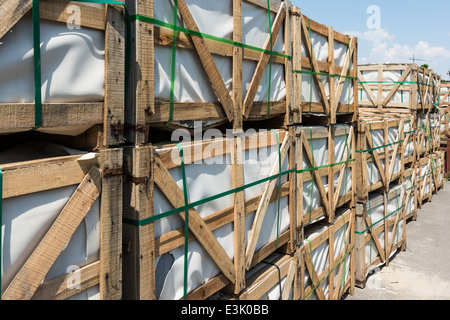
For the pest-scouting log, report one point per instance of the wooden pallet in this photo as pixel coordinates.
(96, 178)
(376, 160)
(228, 106)
(313, 167)
(151, 171)
(64, 116)
(328, 280)
(320, 74)
(372, 234)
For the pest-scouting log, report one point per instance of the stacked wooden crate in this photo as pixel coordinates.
(61, 159)
(444, 111)
(398, 138)
(210, 216)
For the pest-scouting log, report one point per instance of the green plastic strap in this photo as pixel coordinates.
(37, 66)
(186, 221)
(279, 190)
(326, 166)
(203, 201)
(270, 59)
(174, 53)
(380, 147)
(384, 218)
(312, 174)
(323, 74)
(312, 67)
(160, 23)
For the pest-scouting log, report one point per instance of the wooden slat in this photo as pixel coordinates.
(11, 11)
(69, 285)
(21, 116)
(41, 260)
(46, 174)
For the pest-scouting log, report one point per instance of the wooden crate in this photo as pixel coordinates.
(154, 188)
(222, 97)
(395, 88)
(379, 222)
(444, 94)
(378, 156)
(327, 259)
(424, 180)
(93, 180)
(324, 65)
(327, 155)
(68, 117)
(437, 167)
(410, 183)
(444, 130)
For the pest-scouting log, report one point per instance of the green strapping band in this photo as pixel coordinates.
(37, 66)
(174, 53)
(380, 147)
(279, 188)
(206, 36)
(323, 74)
(186, 222)
(384, 218)
(203, 201)
(326, 166)
(270, 59)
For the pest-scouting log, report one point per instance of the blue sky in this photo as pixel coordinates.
(407, 27)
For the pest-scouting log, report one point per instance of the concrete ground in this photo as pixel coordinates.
(422, 272)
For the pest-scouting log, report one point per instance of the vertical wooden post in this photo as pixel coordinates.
(111, 162)
(139, 258)
(140, 98)
(114, 108)
(359, 250)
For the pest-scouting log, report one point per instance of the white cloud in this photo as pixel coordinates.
(379, 46)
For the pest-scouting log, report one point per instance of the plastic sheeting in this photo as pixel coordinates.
(27, 218)
(72, 65)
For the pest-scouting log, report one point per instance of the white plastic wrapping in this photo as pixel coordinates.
(27, 218)
(72, 64)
